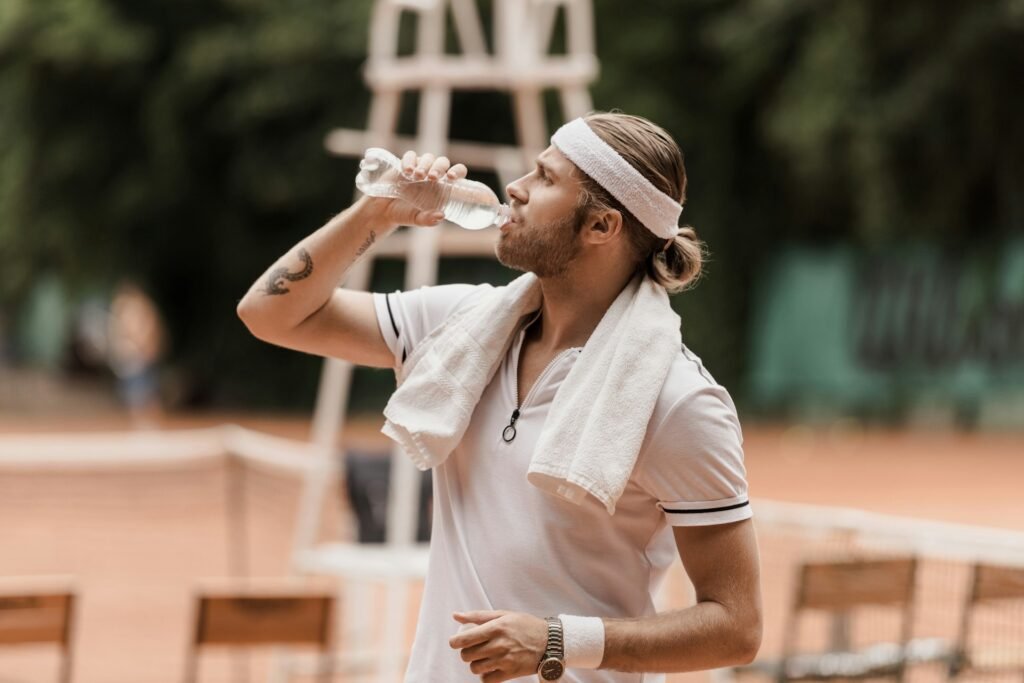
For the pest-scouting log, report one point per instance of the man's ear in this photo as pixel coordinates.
(604, 225)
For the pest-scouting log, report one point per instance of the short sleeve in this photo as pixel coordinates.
(693, 465)
(405, 318)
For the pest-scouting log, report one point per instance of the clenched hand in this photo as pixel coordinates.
(501, 645)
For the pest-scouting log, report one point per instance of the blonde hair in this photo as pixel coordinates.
(651, 150)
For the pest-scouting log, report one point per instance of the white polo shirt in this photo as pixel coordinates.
(500, 543)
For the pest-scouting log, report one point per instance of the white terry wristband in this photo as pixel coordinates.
(583, 638)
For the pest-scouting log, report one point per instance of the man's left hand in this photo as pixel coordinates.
(501, 645)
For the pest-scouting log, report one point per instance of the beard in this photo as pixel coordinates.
(546, 250)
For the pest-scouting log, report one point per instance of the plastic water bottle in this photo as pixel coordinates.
(467, 203)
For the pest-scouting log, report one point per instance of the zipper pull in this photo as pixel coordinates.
(509, 432)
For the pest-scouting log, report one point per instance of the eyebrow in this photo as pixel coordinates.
(544, 167)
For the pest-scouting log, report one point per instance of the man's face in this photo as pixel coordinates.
(542, 236)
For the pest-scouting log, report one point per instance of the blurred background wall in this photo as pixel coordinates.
(856, 168)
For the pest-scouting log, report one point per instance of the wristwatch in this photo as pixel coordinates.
(552, 662)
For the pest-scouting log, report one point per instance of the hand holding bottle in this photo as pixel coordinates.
(415, 173)
(423, 189)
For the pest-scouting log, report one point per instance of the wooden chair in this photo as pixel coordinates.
(839, 590)
(39, 610)
(992, 587)
(251, 617)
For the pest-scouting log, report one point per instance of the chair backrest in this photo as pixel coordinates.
(39, 610)
(36, 618)
(992, 587)
(263, 620)
(992, 582)
(838, 588)
(253, 615)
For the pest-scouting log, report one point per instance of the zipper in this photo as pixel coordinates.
(509, 433)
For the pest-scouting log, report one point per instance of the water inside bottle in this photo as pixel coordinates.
(474, 206)
(474, 216)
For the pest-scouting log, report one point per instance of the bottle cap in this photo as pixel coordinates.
(503, 216)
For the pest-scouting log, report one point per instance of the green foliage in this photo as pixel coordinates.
(845, 121)
(181, 143)
(897, 117)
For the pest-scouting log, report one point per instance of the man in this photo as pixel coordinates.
(526, 578)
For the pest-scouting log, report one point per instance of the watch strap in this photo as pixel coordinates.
(556, 643)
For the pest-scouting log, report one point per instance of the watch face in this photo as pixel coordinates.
(552, 669)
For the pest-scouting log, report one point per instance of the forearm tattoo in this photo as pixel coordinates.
(367, 244)
(277, 277)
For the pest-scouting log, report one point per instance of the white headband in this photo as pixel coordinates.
(656, 210)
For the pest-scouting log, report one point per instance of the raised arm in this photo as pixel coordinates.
(297, 303)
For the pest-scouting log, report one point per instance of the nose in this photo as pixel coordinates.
(515, 190)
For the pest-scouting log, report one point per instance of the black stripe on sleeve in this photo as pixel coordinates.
(696, 512)
(391, 315)
(398, 335)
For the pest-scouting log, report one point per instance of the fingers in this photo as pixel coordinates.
(469, 638)
(477, 617)
(423, 166)
(428, 217)
(484, 666)
(427, 166)
(408, 162)
(438, 168)
(479, 652)
(472, 636)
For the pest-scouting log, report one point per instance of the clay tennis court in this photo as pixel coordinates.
(137, 541)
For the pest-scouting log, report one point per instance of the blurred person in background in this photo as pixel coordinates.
(525, 580)
(135, 345)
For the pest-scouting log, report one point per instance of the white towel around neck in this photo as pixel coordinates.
(599, 416)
